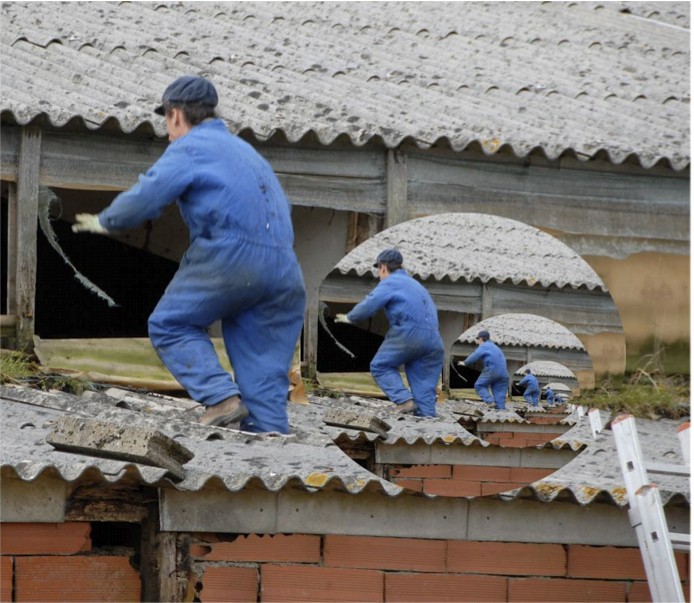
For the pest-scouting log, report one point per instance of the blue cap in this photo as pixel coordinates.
(189, 89)
(389, 256)
(484, 335)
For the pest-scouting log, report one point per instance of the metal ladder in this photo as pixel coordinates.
(646, 513)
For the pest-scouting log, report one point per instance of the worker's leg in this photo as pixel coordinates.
(260, 343)
(177, 330)
(528, 397)
(500, 390)
(393, 353)
(423, 375)
(482, 387)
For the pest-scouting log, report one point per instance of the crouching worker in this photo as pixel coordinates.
(413, 339)
(550, 396)
(494, 374)
(532, 388)
(240, 267)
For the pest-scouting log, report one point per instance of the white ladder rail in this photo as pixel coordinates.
(646, 515)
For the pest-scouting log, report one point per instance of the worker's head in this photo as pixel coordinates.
(482, 336)
(387, 262)
(185, 103)
(528, 372)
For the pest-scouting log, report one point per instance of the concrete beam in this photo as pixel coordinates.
(40, 500)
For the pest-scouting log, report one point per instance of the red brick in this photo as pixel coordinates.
(444, 587)
(496, 487)
(639, 592)
(611, 562)
(385, 553)
(229, 584)
(449, 487)
(564, 590)
(543, 420)
(506, 558)
(422, 471)
(307, 583)
(297, 548)
(79, 578)
(527, 475)
(6, 578)
(411, 484)
(481, 473)
(515, 443)
(45, 538)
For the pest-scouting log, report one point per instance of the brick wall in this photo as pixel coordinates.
(518, 439)
(360, 568)
(55, 562)
(463, 480)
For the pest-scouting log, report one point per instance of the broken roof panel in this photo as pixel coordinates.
(476, 247)
(525, 330)
(579, 78)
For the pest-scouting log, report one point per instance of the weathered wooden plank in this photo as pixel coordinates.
(573, 201)
(12, 249)
(9, 153)
(396, 187)
(27, 225)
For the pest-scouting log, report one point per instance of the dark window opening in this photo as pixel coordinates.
(462, 377)
(363, 344)
(115, 535)
(135, 279)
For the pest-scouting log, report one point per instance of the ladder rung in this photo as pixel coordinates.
(682, 542)
(668, 469)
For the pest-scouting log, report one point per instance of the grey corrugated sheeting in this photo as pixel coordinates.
(563, 77)
(546, 368)
(470, 247)
(308, 460)
(525, 330)
(595, 473)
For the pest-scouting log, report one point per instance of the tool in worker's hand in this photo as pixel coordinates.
(88, 223)
(342, 318)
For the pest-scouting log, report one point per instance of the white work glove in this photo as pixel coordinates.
(88, 223)
(461, 362)
(342, 318)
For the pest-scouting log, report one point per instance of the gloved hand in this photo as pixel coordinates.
(88, 223)
(461, 362)
(342, 318)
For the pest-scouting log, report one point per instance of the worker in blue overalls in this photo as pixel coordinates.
(413, 339)
(494, 374)
(532, 388)
(549, 395)
(240, 267)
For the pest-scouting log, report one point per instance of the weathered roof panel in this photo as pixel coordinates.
(476, 247)
(547, 368)
(525, 330)
(577, 78)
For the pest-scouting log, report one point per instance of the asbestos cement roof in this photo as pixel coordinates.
(307, 459)
(476, 247)
(583, 79)
(525, 330)
(546, 368)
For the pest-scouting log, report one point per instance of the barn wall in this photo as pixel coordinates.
(302, 567)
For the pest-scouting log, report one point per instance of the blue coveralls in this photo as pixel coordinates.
(532, 389)
(413, 340)
(550, 396)
(240, 268)
(494, 374)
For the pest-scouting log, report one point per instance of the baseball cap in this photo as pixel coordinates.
(189, 89)
(483, 335)
(389, 256)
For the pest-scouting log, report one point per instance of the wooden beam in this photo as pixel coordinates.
(12, 250)
(396, 188)
(27, 224)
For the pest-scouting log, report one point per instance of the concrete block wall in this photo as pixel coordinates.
(363, 568)
(463, 480)
(56, 562)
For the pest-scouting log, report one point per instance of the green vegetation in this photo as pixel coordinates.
(646, 392)
(19, 368)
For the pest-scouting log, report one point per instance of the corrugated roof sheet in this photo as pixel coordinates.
(578, 78)
(546, 368)
(307, 459)
(525, 330)
(476, 247)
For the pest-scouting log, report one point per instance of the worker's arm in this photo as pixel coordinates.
(163, 183)
(371, 304)
(472, 358)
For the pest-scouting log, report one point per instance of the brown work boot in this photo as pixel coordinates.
(231, 410)
(405, 408)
